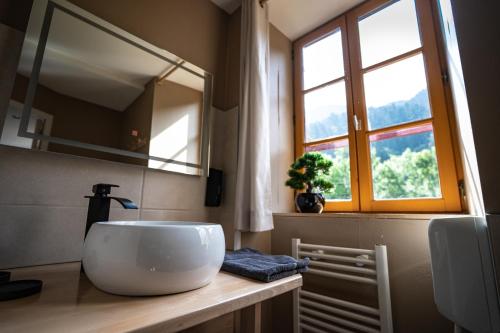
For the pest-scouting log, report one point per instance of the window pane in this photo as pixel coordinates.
(323, 60)
(404, 164)
(325, 112)
(389, 32)
(340, 173)
(397, 93)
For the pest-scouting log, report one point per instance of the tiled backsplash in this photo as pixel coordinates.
(43, 209)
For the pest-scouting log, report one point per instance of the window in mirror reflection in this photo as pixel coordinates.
(176, 124)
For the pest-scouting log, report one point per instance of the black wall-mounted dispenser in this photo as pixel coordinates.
(213, 196)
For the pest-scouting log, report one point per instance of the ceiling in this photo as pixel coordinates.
(294, 18)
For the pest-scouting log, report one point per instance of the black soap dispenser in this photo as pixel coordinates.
(17, 289)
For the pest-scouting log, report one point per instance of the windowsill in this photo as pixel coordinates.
(358, 215)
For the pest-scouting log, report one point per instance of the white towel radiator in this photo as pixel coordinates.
(319, 313)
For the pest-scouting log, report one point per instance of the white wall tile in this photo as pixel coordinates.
(122, 214)
(38, 235)
(41, 178)
(174, 215)
(171, 191)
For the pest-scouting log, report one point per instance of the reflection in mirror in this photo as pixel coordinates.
(103, 93)
(176, 126)
(39, 123)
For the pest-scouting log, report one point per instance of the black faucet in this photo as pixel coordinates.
(99, 204)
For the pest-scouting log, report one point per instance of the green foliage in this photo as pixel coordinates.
(413, 174)
(340, 176)
(409, 175)
(310, 172)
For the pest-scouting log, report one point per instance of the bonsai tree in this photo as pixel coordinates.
(310, 172)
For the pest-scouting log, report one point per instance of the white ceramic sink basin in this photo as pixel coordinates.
(143, 258)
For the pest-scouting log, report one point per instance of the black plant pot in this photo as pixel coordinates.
(310, 202)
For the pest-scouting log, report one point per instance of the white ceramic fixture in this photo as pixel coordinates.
(144, 258)
(463, 274)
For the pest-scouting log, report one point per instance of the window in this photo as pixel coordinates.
(369, 95)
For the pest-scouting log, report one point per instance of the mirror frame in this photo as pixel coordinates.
(68, 8)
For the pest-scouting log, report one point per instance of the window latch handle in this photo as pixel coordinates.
(357, 123)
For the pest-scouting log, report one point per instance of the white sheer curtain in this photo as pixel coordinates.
(253, 206)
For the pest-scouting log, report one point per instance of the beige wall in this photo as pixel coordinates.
(458, 96)
(477, 32)
(282, 130)
(409, 265)
(232, 63)
(42, 209)
(223, 157)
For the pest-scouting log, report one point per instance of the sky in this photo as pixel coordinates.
(385, 34)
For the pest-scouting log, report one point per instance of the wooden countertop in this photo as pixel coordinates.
(70, 303)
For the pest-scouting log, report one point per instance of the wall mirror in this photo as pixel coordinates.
(85, 87)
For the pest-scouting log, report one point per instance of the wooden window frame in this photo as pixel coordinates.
(359, 150)
(325, 30)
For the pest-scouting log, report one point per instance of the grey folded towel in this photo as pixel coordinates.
(256, 265)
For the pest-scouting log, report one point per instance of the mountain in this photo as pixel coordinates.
(400, 112)
(391, 114)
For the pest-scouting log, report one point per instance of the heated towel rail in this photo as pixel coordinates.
(318, 313)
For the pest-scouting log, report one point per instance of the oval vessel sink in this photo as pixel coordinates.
(143, 258)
